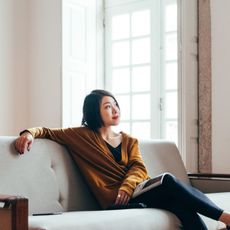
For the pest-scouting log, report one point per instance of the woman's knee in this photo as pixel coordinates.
(168, 177)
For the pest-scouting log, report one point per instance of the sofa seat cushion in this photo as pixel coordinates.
(134, 219)
(222, 199)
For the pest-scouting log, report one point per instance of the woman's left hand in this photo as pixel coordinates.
(122, 197)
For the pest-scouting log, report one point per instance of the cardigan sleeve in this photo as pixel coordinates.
(137, 171)
(56, 134)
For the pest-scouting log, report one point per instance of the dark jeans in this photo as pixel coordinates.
(182, 200)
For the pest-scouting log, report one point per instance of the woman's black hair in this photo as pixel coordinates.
(91, 109)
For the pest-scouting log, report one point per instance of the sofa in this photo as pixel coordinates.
(46, 181)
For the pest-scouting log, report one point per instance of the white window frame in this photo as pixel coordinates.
(78, 63)
(187, 81)
(162, 79)
(187, 74)
(115, 7)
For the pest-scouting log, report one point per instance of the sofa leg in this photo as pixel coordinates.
(13, 213)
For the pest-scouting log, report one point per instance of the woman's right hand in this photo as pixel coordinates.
(24, 142)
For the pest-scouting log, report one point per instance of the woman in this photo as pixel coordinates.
(112, 165)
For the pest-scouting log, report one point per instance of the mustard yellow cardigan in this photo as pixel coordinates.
(102, 173)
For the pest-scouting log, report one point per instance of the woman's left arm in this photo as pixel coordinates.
(137, 171)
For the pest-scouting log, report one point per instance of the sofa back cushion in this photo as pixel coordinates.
(163, 156)
(46, 175)
(52, 182)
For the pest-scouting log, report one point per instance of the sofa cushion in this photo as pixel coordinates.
(134, 219)
(46, 175)
(160, 157)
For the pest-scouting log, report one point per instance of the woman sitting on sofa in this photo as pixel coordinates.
(112, 165)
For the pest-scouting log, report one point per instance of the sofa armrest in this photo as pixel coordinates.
(13, 212)
(210, 182)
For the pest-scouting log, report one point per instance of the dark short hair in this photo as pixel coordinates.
(91, 109)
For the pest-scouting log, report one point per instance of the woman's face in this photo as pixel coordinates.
(110, 112)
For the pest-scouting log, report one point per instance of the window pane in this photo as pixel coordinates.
(141, 23)
(120, 53)
(121, 75)
(141, 106)
(120, 26)
(141, 80)
(171, 46)
(171, 131)
(124, 103)
(171, 75)
(171, 17)
(141, 130)
(141, 51)
(171, 105)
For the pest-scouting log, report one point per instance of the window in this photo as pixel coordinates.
(78, 57)
(141, 66)
(154, 78)
(169, 72)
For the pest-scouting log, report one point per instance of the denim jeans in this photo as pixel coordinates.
(181, 199)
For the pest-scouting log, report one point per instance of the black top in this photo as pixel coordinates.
(115, 151)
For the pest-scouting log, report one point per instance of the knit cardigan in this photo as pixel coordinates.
(102, 173)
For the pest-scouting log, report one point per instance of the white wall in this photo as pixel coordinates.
(30, 70)
(44, 75)
(221, 85)
(13, 68)
(30, 64)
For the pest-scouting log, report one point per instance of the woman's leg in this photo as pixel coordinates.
(174, 191)
(190, 219)
(191, 197)
(155, 198)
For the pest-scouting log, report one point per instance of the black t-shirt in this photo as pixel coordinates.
(115, 151)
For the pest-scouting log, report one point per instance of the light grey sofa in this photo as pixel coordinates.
(52, 183)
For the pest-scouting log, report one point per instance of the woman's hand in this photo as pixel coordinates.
(122, 197)
(24, 142)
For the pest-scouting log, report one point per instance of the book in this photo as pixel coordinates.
(148, 185)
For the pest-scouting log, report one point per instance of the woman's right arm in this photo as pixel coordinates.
(25, 140)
